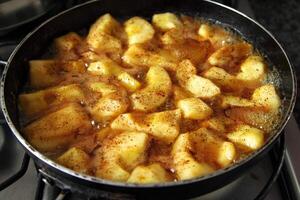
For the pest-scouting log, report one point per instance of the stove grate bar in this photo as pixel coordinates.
(289, 185)
(39, 193)
(12, 179)
(278, 157)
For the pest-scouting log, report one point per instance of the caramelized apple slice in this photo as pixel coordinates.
(194, 108)
(248, 137)
(230, 56)
(153, 173)
(117, 156)
(156, 92)
(211, 148)
(166, 21)
(33, 103)
(138, 56)
(186, 167)
(43, 73)
(162, 125)
(109, 107)
(138, 30)
(75, 159)
(58, 129)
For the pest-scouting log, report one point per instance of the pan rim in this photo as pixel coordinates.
(95, 180)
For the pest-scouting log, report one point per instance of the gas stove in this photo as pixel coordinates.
(275, 177)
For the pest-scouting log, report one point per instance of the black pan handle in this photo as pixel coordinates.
(2, 66)
(2, 62)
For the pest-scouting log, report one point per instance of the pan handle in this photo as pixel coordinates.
(2, 66)
(2, 62)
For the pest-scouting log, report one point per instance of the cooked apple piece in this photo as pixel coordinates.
(202, 87)
(105, 24)
(130, 122)
(263, 112)
(173, 37)
(162, 125)
(252, 70)
(87, 143)
(112, 171)
(185, 71)
(74, 66)
(254, 116)
(226, 154)
(194, 108)
(133, 146)
(156, 92)
(138, 30)
(197, 52)
(229, 56)
(219, 75)
(104, 35)
(216, 35)
(183, 34)
(214, 124)
(137, 56)
(252, 65)
(105, 43)
(101, 42)
(75, 159)
(121, 154)
(186, 167)
(68, 42)
(197, 85)
(248, 137)
(43, 73)
(58, 128)
(222, 78)
(211, 148)
(107, 67)
(206, 31)
(166, 21)
(218, 123)
(104, 133)
(128, 81)
(180, 93)
(91, 56)
(235, 101)
(102, 88)
(109, 107)
(104, 67)
(153, 173)
(169, 56)
(33, 103)
(266, 97)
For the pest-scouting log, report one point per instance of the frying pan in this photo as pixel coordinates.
(15, 76)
